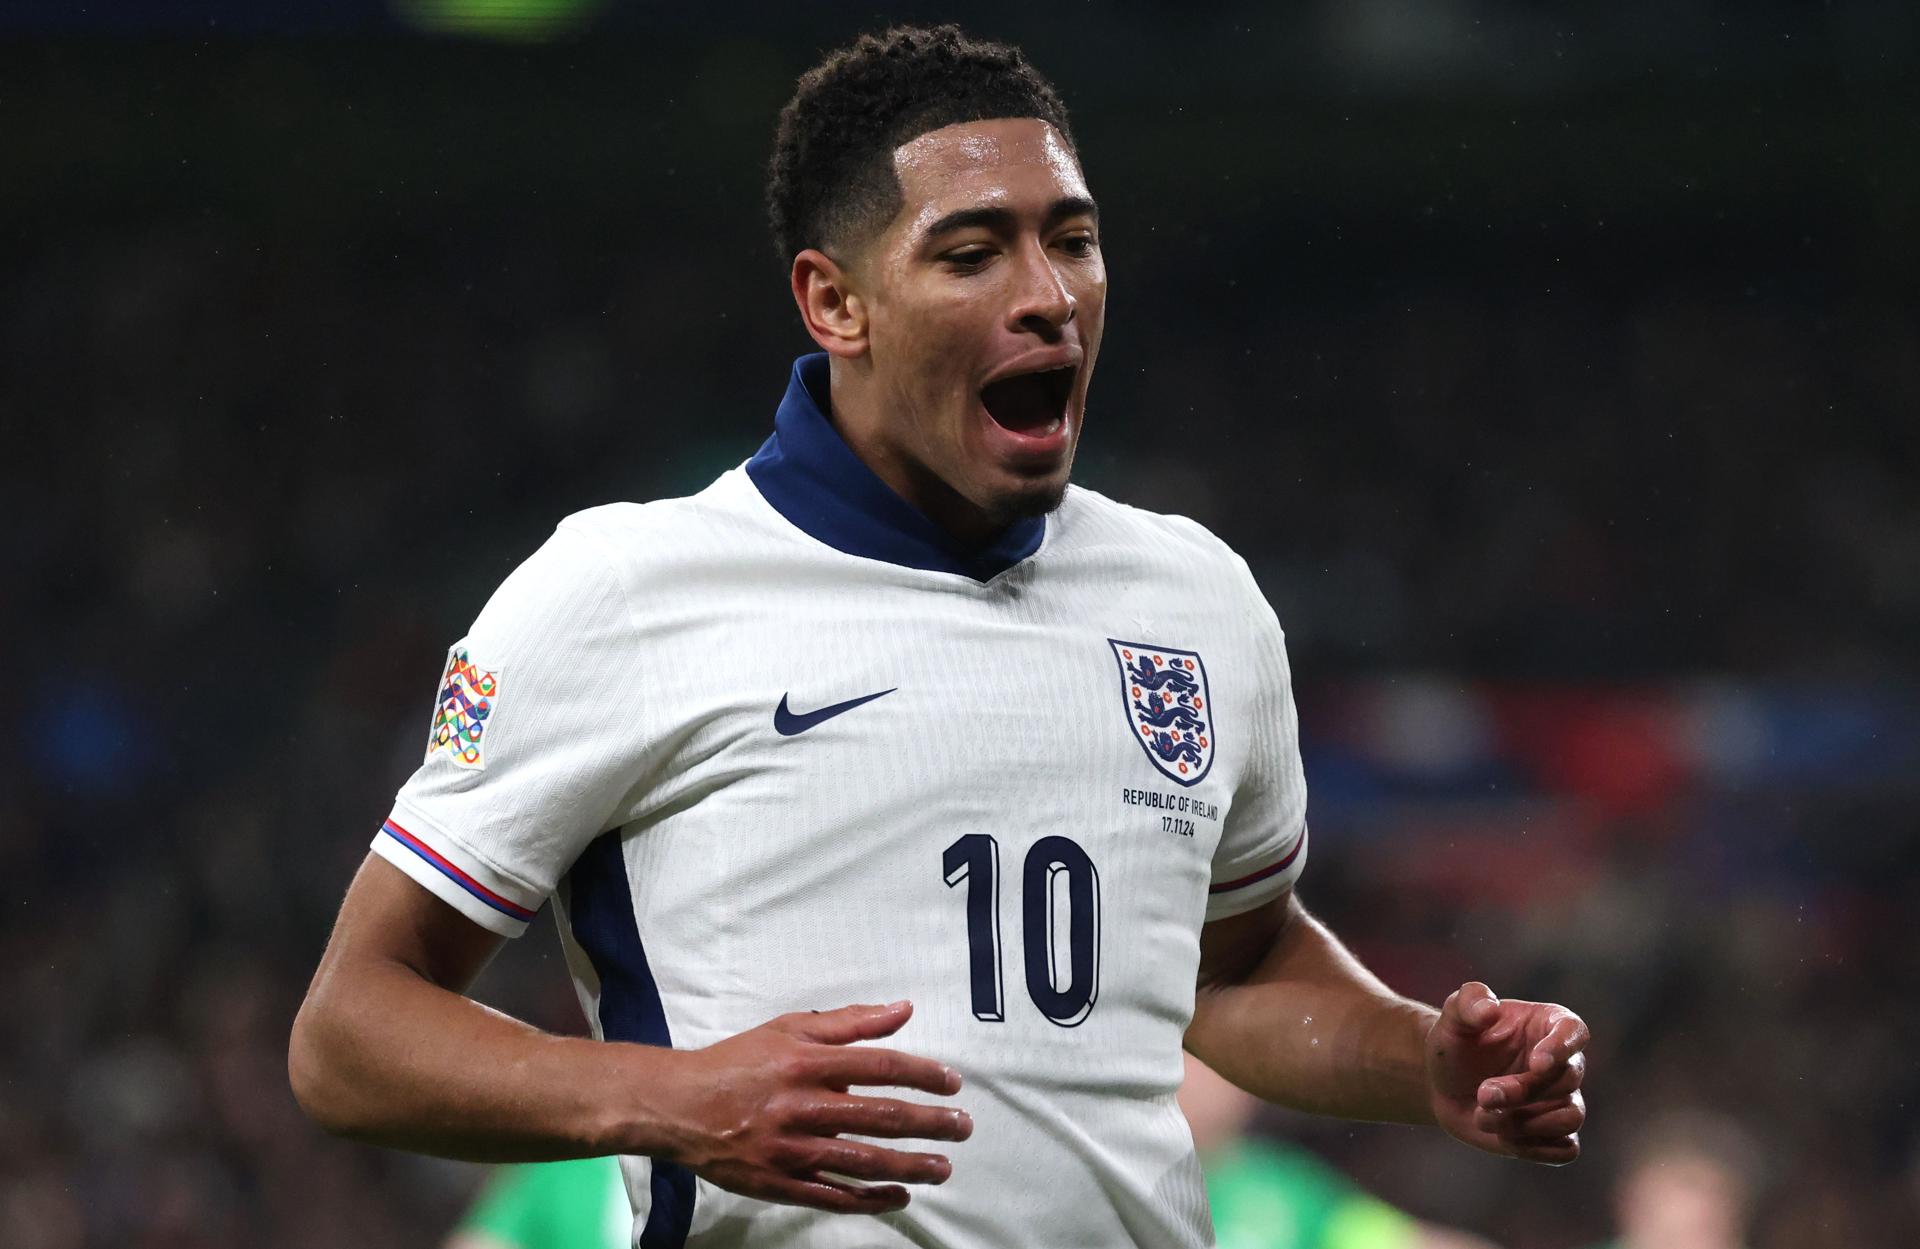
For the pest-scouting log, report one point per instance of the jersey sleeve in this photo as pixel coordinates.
(1263, 846)
(536, 737)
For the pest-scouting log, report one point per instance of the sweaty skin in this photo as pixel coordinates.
(1287, 1013)
(990, 268)
(923, 316)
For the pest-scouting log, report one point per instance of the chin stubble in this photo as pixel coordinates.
(1027, 504)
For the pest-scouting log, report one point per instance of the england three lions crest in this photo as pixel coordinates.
(1169, 708)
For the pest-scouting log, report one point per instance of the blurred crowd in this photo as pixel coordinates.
(1602, 600)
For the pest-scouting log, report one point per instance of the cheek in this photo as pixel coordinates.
(916, 332)
(946, 351)
(925, 351)
(1092, 295)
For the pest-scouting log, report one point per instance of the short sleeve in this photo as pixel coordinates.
(534, 740)
(1263, 846)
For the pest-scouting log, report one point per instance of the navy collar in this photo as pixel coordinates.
(812, 477)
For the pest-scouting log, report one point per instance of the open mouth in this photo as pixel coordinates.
(1034, 404)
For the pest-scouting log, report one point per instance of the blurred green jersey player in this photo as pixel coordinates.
(580, 1204)
(1264, 1194)
(1269, 1195)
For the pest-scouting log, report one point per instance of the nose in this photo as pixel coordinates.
(1042, 303)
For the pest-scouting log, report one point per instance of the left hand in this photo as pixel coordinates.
(1505, 1075)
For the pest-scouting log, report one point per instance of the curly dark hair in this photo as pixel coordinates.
(831, 182)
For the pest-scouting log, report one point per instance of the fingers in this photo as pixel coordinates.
(832, 1174)
(1533, 1110)
(856, 1160)
(887, 1117)
(1547, 1133)
(1554, 1124)
(1551, 1153)
(847, 1024)
(1470, 1009)
(888, 1068)
(1554, 1066)
(1566, 1039)
(825, 1172)
(784, 1115)
(1523, 1088)
(854, 1064)
(821, 1193)
(1563, 1116)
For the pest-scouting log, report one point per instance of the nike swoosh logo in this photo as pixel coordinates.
(790, 724)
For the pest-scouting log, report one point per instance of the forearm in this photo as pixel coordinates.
(1310, 1027)
(386, 1057)
(387, 1049)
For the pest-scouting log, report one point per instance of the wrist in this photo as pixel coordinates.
(1419, 1019)
(634, 1101)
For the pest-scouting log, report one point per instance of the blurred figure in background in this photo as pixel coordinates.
(1579, 452)
(1268, 1195)
(1689, 1183)
(577, 1204)
(1264, 1194)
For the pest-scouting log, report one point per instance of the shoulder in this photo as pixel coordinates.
(1091, 520)
(635, 532)
(1113, 544)
(599, 564)
(643, 547)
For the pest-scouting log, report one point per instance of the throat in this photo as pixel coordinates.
(865, 422)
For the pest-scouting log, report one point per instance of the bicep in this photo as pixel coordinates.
(394, 946)
(388, 919)
(1232, 949)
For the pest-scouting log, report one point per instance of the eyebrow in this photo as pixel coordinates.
(1004, 220)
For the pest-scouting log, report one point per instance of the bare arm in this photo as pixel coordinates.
(388, 1050)
(1286, 1012)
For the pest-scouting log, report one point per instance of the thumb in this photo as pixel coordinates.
(850, 1023)
(1470, 1010)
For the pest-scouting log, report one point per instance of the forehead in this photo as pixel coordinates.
(998, 163)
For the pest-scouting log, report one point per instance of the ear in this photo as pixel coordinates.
(833, 311)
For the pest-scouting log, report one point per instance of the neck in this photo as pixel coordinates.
(868, 419)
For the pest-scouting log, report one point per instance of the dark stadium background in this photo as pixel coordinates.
(1555, 365)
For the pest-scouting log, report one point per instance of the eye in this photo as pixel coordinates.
(1079, 245)
(969, 258)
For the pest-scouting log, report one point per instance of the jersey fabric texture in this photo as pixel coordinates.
(1264, 1195)
(1047, 765)
(1269, 1196)
(579, 1204)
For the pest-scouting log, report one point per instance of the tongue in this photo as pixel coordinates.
(1022, 404)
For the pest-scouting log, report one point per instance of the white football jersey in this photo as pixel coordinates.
(781, 746)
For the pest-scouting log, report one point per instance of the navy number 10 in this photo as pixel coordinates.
(1065, 999)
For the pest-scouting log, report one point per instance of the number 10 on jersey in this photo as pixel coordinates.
(1057, 876)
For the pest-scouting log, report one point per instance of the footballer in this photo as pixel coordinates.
(904, 808)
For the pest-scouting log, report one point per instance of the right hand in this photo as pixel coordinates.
(761, 1113)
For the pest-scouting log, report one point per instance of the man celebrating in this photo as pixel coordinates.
(890, 713)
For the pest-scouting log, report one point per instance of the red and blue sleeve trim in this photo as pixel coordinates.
(445, 868)
(1272, 869)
